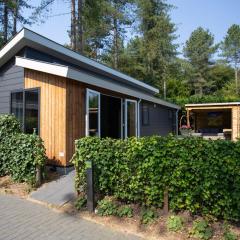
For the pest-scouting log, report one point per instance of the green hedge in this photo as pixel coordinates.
(19, 153)
(202, 176)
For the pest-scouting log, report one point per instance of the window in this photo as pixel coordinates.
(145, 114)
(93, 113)
(25, 106)
(131, 118)
(17, 105)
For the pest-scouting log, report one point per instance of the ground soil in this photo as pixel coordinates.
(156, 230)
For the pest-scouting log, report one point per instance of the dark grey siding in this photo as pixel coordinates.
(162, 120)
(11, 78)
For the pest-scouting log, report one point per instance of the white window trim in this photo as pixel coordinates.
(87, 112)
(136, 117)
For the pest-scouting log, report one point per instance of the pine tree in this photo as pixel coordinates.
(158, 35)
(199, 50)
(231, 50)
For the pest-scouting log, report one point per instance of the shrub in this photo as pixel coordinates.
(174, 223)
(148, 215)
(80, 203)
(201, 230)
(125, 211)
(228, 234)
(201, 176)
(20, 153)
(106, 208)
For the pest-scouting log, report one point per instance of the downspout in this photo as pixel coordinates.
(138, 116)
(177, 122)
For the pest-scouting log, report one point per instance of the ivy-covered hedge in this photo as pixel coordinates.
(19, 153)
(202, 176)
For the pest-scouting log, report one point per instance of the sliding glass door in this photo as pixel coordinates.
(25, 106)
(131, 118)
(93, 113)
(108, 116)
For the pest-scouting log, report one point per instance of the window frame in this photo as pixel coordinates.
(38, 89)
(148, 114)
(88, 91)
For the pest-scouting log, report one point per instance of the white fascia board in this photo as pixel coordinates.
(65, 51)
(10, 45)
(87, 78)
(212, 104)
(42, 67)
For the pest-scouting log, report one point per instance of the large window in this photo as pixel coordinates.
(131, 118)
(93, 113)
(25, 106)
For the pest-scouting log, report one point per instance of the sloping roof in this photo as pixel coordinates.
(212, 104)
(26, 37)
(82, 76)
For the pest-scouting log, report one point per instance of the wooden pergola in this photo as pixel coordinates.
(215, 119)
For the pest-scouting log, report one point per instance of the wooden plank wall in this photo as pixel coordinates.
(62, 114)
(235, 123)
(75, 114)
(52, 113)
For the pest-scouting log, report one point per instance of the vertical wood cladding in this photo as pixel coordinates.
(62, 114)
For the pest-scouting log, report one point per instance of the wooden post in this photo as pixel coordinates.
(90, 187)
(165, 202)
(38, 176)
(188, 120)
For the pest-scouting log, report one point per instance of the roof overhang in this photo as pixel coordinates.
(85, 77)
(226, 104)
(29, 38)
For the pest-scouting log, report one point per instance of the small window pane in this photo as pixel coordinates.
(145, 114)
(17, 105)
(131, 119)
(93, 111)
(31, 111)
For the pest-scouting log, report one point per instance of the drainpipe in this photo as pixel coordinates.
(177, 122)
(138, 116)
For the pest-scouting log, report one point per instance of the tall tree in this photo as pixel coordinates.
(73, 25)
(199, 50)
(231, 50)
(11, 14)
(158, 35)
(119, 18)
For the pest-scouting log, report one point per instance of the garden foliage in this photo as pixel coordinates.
(19, 153)
(201, 176)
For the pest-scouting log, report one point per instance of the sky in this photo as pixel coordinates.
(215, 15)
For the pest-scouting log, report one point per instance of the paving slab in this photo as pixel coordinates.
(57, 192)
(21, 219)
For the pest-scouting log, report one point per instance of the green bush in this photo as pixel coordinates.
(174, 223)
(125, 211)
(106, 208)
(19, 153)
(201, 176)
(228, 234)
(201, 230)
(80, 203)
(148, 215)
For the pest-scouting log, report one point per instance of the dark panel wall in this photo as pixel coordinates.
(11, 78)
(162, 120)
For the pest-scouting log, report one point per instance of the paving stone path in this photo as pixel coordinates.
(57, 192)
(21, 219)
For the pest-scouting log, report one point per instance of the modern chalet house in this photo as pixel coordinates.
(64, 96)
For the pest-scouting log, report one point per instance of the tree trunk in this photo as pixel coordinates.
(236, 79)
(164, 89)
(73, 25)
(80, 44)
(15, 17)
(5, 22)
(115, 43)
